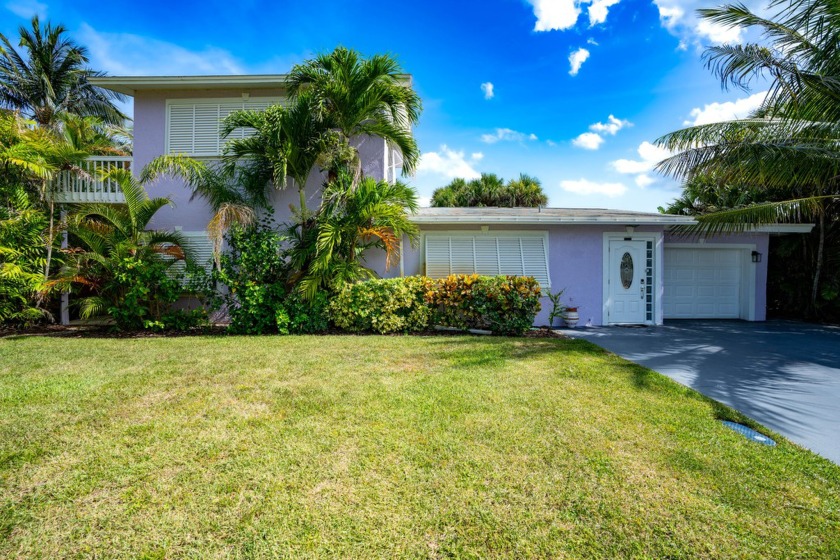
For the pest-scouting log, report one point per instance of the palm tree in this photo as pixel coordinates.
(491, 190)
(287, 141)
(49, 78)
(526, 191)
(791, 143)
(110, 233)
(357, 97)
(233, 195)
(350, 222)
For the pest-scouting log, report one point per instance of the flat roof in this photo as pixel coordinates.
(129, 85)
(571, 216)
(492, 215)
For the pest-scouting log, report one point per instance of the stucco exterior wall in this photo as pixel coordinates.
(576, 264)
(192, 214)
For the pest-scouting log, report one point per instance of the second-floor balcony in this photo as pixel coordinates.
(89, 184)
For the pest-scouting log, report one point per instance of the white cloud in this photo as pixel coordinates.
(477, 156)
(681, 19)
(598, 11)
(576, 60)
(449, 163)
(644, 180)
(487, 88)
(716, 33)
(588, 141)
(555, 14)
(611, 127)
(128, 54)
(551, 143)
(649, 156)
(587, 187)
(27, 8)
(719, 112)
(507, 135)
(592, 41)
(593, 140)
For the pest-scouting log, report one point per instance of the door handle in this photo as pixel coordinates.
(642, 292)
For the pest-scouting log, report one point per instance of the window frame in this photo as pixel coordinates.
(509, 234)
(271, 100)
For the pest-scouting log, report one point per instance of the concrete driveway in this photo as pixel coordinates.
(784, 374)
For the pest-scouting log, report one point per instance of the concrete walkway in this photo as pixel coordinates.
(784, 374)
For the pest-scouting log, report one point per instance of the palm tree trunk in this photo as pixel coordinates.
(50, 238)
(818, 270)
(302, 195)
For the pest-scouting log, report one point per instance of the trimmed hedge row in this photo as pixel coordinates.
(501, 304)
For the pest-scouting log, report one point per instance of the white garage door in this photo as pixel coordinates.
(702, 283)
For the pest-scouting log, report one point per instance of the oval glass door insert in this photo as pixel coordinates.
(626, 271)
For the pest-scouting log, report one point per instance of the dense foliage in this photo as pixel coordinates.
(253, 271)
(118, 267)
(22, 258)
(502, 304)
(491, 190)
(384, 306)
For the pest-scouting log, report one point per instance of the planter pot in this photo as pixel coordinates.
(571, 317)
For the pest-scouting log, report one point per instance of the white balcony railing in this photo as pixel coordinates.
(69, 186)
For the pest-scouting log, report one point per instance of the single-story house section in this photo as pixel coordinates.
(616, 267)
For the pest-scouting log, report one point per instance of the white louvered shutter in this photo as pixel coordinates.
(437, 257)
(486, 256)
(195, 126)
(181, 134)
(490, 255)
(534, 255)
(201, 248)
(461, 255)
(510, 256)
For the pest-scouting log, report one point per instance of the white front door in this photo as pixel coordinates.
(626, 282)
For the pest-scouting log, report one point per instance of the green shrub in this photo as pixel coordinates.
(383, 306)
(308, 317)
(146, 294)
(502, 304)
(253, 271)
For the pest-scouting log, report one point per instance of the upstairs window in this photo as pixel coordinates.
(488, 254)
(193, 126)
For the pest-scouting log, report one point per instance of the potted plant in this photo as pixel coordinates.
(557, 310)
(571, 316)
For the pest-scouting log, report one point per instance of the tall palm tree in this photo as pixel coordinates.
(791, 143)
(359, 97)
(109, 233)
(287, 141)
(351, 221)
(49, 77)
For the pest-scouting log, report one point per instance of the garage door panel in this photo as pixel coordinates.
(702, 283)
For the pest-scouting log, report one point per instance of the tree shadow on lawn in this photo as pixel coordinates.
(476, 351)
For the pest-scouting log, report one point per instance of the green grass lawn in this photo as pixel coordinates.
(258, 447)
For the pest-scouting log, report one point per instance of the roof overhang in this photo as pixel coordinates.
(569, 216)
(129, 85)
(552, 220)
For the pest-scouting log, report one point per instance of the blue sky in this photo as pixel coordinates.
(571, 92)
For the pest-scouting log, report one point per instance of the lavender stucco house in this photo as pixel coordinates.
(617, 267)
